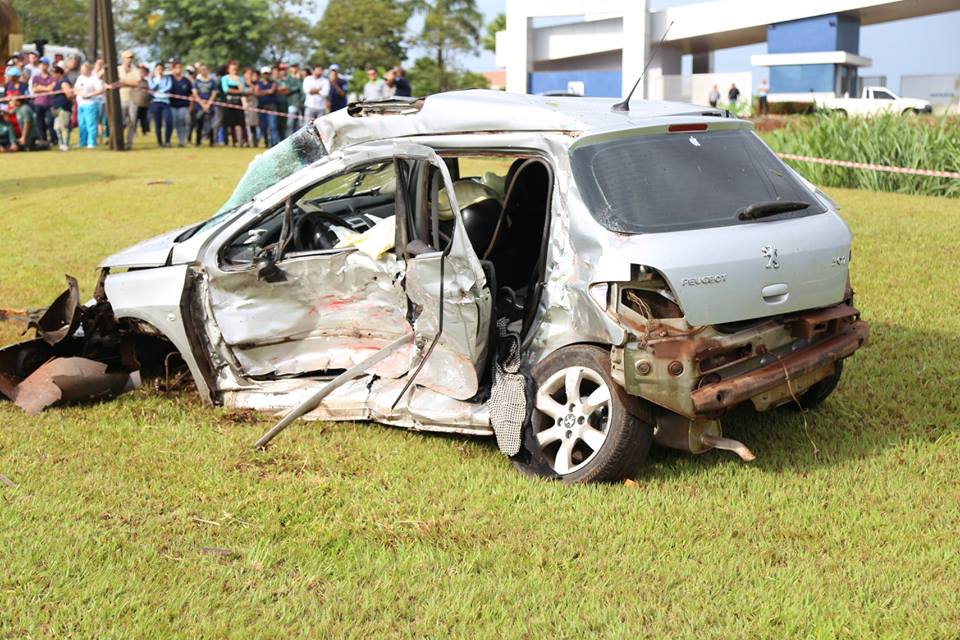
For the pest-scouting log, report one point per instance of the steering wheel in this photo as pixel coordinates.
(313, 231)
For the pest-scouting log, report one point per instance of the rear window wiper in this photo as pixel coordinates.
(763, 209)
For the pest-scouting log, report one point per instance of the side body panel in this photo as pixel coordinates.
(154, 296)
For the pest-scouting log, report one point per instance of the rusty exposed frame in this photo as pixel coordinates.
(730, 392)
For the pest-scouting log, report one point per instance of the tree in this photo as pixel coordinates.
(63, 22)
(359, 33)
(425, 77)
(499, 23)
(211, 30)
(290, 34)
(449, 27)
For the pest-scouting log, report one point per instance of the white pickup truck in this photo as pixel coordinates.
(874, 101)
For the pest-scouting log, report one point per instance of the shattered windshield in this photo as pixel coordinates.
(267, 169)
(671, 182)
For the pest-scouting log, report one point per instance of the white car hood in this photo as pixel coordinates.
(149, 253)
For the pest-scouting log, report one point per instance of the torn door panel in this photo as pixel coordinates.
(329, 312)
(466, 322)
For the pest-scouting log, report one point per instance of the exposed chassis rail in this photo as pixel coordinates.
(730, 392)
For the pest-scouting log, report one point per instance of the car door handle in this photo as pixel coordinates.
(775, 293)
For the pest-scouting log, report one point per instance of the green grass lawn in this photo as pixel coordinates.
(150, 516)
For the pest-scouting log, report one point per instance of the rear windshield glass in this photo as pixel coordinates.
(676, 181)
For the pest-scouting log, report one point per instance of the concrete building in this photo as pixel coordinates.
(600, 47)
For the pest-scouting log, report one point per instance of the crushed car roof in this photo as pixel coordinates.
(482, 110)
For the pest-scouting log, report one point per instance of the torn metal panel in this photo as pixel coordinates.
(58, 379)
(331, 311)
(71, 380)
(61, 318)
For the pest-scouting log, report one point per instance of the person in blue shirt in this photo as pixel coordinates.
(338, 89)
(266, 92)
(159, 85)
(180, 91)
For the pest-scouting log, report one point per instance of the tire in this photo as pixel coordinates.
(820, 391)
(842, 113)
(592, 438)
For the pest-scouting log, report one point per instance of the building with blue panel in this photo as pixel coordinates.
(819, 55)
(813, 46)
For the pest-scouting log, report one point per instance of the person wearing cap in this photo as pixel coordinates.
(61, 104)
(14, 84)
(41, 84)
(338, 89)
(316, 92)
(88, 89)
(266, 91)
(290, 78)
(181, 89)
(159, 85)
(128, 76)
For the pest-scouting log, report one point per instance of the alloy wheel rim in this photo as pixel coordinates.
(573, 418)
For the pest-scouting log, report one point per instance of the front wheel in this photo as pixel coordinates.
(581, 430)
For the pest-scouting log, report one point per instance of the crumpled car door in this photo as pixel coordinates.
(447, 289)
(330, 309)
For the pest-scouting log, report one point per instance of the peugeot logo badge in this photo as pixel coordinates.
(770, 253)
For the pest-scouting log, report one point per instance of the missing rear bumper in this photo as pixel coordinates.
(805, 367)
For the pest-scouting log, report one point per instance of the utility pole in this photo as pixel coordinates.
(114, 114)
(93, 34)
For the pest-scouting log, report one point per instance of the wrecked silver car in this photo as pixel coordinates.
(575, 281)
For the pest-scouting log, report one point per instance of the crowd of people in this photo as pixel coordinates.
(43, 101)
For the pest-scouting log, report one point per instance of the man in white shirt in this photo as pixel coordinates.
(32, 67)
(316, 92)
(376, 88)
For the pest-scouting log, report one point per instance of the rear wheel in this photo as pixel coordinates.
(581, 430)
(816, 394)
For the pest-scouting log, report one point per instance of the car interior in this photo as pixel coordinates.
(504, 202)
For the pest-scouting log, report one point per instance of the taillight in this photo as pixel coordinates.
(686, 128)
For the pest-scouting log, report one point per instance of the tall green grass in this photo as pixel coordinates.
(918, 143)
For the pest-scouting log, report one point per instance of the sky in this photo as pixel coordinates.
(918, 46)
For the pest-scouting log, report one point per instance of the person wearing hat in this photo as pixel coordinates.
(14, 84)
(41, 84)
(266, 91)
(338, 89)
(128, 75)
